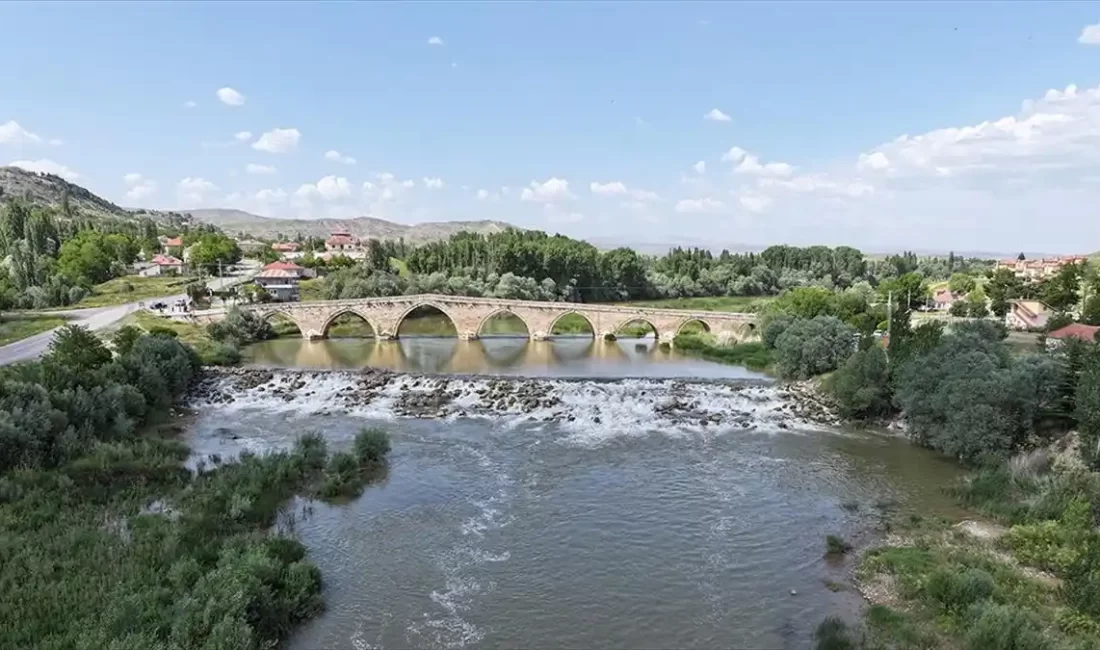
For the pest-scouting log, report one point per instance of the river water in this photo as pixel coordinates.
(638, 512)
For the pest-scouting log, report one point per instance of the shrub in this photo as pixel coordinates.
(125, 337)
(312, 449)
(833, 634)
(773, 328)
(371, 446)
(835, 545)
(1082, 578)
(341, 477)
(219, 353)
(1004, 627)
(241, 327)
(807, 348)
(1087, 410)
(162, 331)
(955, 591)
(752, 355)
(1047, 545)
(862, 385)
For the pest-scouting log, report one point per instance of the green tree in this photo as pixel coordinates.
(862, 385)
(1062, 292)
(961, 283)
(76, 348)
(1003, 286)
(214, 251)
(807, 348)
(1087, 406)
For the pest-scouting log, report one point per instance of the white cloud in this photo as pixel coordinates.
(553, 189)
(242, 136)
(700, 167)
(329, 188)
(821, 184)
(703, 205)
(138, 186)
(194, 190)
(407, 183)
(254, 168)
(433, 183)
(435, 40)
(735, 154)
(46, 166)
(276, 195)
(278, 141)
(56, 142)
(715, 115)
(608, 189)
(486, 195)
(335, 156)
(876, 161)
(755, 202)
(384, 177)
(750, 164)
(12, 133)
(1090, 35)
(230, 96)
(190, 104)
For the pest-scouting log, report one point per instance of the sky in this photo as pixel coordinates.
(886, 126)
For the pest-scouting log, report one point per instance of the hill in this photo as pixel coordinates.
(49, 190)
(238, 221)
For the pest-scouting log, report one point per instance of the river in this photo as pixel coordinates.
(593, 498)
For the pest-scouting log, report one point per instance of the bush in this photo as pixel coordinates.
(241, 328)
(1082, 578)
(162, 331)
(833, 634)
(751, 355)
(955, 591)
(371, 446)
(807, 348)
(835, 545)
(1004, 627)
(125, 337)
(1047, 545)
(862, 385)
(341, 477)
(1087, 408)
(218, 353)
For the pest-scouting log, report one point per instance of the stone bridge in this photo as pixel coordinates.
(384, 315)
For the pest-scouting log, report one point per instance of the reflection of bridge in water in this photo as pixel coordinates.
(469, 316)
(452, 355)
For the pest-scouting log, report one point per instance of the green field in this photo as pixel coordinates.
(721, 303)
(130, 288)
(15, 327)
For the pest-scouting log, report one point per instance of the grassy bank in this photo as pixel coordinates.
(721, 303)
(15, 327)
(131, 288)
(211, 352)
(1028, 582)
(751, 355)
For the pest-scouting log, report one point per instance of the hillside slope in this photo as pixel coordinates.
(238, 221)
(48, 190)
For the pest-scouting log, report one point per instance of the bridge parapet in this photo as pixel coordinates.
(469, 315)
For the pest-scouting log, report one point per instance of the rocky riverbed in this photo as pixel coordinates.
(738, 404)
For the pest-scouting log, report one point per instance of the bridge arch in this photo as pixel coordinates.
(396, 329)
(498, 312)
(572, 312)
(689, 321)
(348, 311)
(636, 319)
(280, 320)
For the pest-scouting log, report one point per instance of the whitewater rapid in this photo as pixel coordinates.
(580, 408)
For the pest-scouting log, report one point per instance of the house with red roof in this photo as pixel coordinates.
(286, 247)
(943, 298)
(168, 243)
(281, 280)
(162, 265)
(1078, 331)
(342, 241)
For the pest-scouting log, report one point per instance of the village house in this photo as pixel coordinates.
(342, 241)
(1041, 268)
(1077, 331)
(167, 244)
(943, 298)
(286, 247)
(161, 265)
(281, 280)
(1027, 315)
(250, 246)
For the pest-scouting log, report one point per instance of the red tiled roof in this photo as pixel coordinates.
(166, 260)
(285, 246)
(173, 241)
(1076, 331)
(282, 266)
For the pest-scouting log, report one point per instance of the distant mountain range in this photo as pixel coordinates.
(49, 190)
(252, 225)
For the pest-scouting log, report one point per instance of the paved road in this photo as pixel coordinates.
(94, 319)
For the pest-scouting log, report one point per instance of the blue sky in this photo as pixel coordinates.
(584, 118)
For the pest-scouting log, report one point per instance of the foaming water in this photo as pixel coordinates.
(641, 513)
